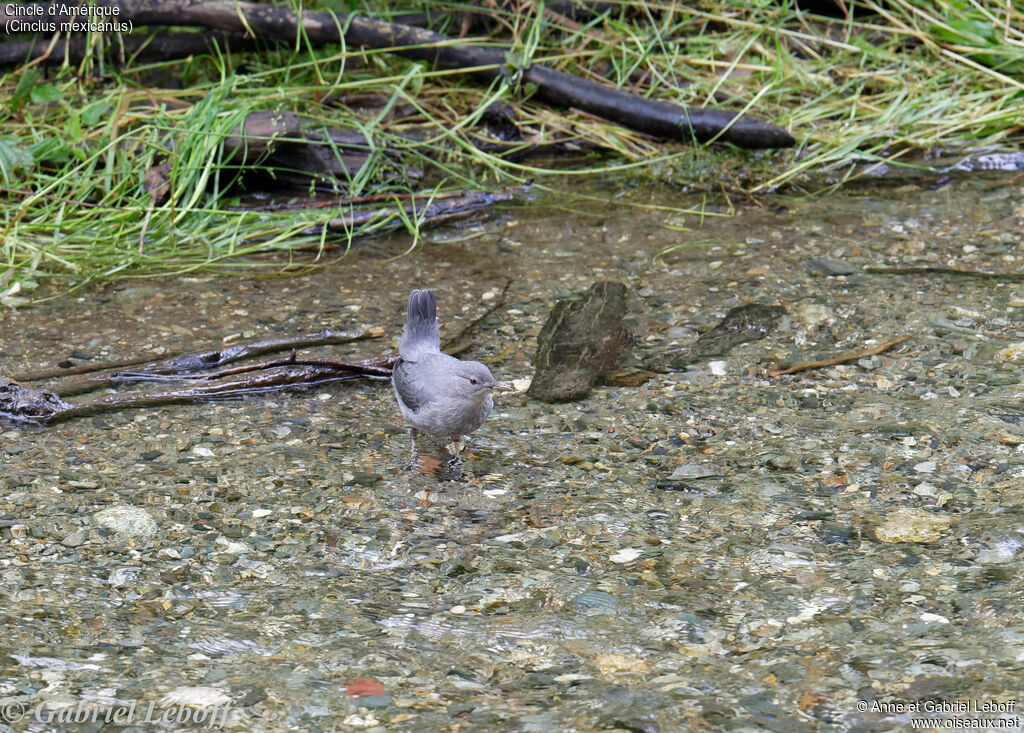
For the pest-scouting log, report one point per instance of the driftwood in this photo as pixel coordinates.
(663, 119)
(112, 375)
(45, 406)
(24, 404)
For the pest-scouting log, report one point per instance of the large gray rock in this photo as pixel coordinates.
(581, 339)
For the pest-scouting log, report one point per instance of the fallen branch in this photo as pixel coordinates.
(654, 117)
(805, 365)
(84, 369)
(209, 359)
(379, 367)
(299, 376)
(30, 405)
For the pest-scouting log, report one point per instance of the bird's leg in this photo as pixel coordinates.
(413, 432)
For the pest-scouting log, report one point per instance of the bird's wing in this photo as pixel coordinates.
(405, 386)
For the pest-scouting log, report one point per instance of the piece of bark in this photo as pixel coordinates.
(580, 340)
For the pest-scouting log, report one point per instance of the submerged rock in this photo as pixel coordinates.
(595, 602)
(127, 521)
(912, 525)
(829, 266)
(741, 325)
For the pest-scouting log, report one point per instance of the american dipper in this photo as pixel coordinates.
(438, 393)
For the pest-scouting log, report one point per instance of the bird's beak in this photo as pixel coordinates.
(502, 388)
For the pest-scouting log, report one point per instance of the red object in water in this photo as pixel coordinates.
(363, 687)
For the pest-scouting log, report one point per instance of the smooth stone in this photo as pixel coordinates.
(128, 521)
(912, 525)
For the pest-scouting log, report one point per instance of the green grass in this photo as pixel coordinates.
(76, 143)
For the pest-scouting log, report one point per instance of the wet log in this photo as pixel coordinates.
(660, 118)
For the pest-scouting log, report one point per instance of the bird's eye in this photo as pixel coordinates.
(473, 380)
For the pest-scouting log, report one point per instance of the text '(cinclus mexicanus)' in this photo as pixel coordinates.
(438, 393)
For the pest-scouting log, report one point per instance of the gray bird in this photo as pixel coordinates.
(437, 393)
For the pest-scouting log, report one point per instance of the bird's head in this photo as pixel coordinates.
(476, 379)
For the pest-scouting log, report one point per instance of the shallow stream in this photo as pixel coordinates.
(714, 549)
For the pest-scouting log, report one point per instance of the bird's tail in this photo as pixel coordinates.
(421, 332)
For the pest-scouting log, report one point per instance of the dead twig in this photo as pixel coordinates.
(1013, 277)
(84, 369)
(805, 365)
